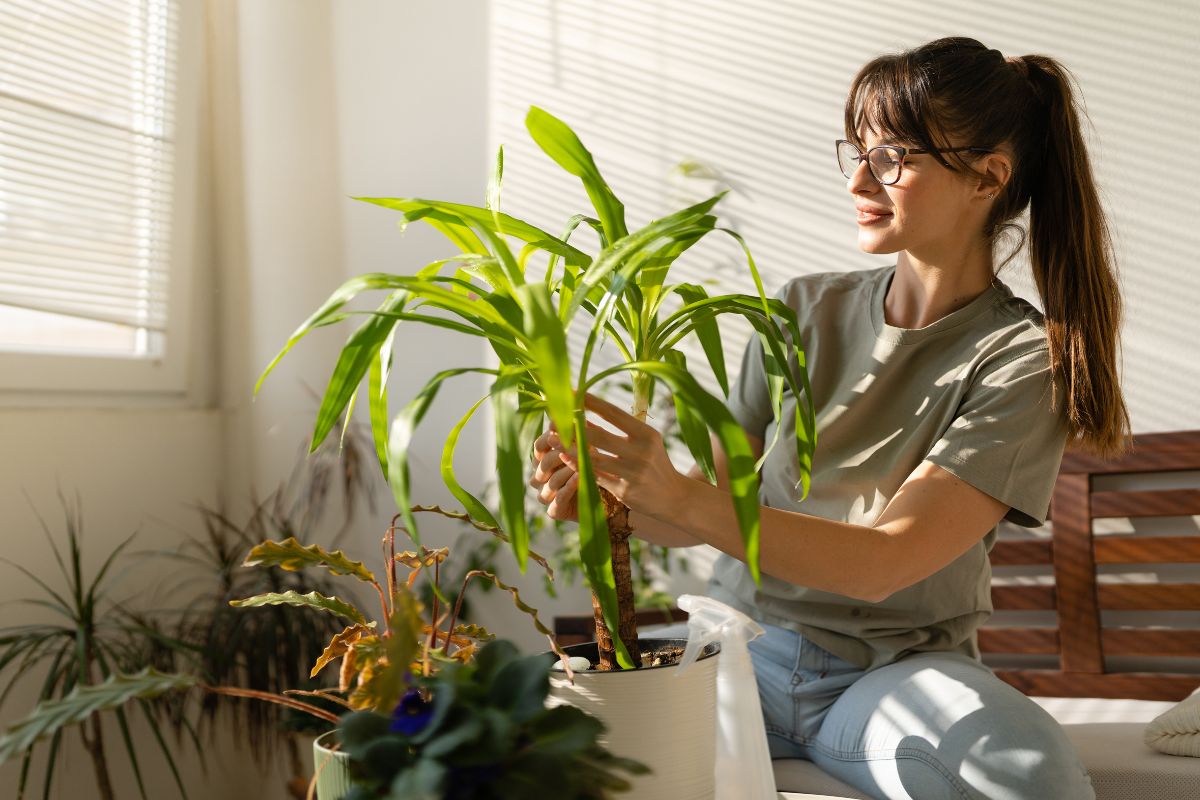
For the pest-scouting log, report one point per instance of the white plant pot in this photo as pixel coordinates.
(666, 722)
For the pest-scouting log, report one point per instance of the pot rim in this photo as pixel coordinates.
(710, 650)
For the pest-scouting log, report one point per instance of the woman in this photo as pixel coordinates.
(943, 405)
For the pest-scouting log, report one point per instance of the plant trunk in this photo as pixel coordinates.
(95, 748)
(617, 516)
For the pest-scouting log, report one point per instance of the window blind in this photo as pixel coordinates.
(86, 157)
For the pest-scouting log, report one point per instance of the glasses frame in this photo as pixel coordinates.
(904, 152)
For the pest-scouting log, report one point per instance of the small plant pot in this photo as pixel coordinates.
(332, 768)
(666, 722)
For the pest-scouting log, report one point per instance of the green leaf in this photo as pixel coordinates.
(548, 350)
(595, 549)
(289, 554)
(49, 717)
(691, 427)
(708, 333)
(352, 364)
(558, 141)
(403, 427)
(377, 399)
(511, 462)
(472, 504)
(332, 605)
(564, 730)
(459, 217)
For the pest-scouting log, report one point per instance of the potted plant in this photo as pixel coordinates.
(479, 730)
(379, 658)
(86, 652)
(525, 320)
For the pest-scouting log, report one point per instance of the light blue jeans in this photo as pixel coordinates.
(926, 727)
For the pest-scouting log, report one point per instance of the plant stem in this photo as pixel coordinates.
(95, 748)
(617, 517)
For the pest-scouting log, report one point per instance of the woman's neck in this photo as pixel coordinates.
(921, 293)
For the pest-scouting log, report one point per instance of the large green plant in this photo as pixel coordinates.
(91, 642)
(526, 322)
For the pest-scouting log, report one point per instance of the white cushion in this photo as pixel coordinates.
(1176, 731)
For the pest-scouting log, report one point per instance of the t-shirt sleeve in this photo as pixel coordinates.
(749, 396)
(1008, 438)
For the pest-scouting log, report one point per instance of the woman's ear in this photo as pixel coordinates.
(997, 170)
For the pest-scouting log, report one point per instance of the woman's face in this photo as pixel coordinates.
(927, 211)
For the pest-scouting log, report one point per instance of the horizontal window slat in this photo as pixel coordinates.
(97, 15)
(91, 312)
(53, 124)
(80, 29)
(24, 238)
(116, 208)
(151, 172)
(25, 263)
(39, 79)
(49, 288)
(112, 68)
(96, 105)
(51, 220)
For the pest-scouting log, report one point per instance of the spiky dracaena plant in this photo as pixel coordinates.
(526, 322)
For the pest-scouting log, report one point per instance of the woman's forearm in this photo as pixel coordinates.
(655, 531)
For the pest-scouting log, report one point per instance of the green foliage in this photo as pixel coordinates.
(480, 730)
(376, 654)
(83, 701)
(82, 654)
(623, 290)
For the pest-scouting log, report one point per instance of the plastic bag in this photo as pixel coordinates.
(743, 765)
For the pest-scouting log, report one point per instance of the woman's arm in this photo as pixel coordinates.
(556, 482)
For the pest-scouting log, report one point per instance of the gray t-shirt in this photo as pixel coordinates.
(970, 392)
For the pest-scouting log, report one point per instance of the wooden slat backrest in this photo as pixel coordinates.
(1078, 598)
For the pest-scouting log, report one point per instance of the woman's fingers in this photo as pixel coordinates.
(563, 506)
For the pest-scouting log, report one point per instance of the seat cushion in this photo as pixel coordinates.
(1122, 766)
(797, 778)
(1107, 735)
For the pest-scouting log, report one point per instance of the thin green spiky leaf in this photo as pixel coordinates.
(463, 216)
(331, 605)
(289, 554)
(472, 504)
(83, 701)
(708, 333)
(377, 401)
(352, 364)
(497, 177)
(400, 436)
(616, 254)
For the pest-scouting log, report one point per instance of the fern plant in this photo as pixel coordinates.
(620, 294)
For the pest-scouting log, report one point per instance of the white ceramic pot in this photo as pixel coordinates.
(667, 723)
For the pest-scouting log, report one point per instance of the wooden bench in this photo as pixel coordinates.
(1120, 764)
(1080, 641)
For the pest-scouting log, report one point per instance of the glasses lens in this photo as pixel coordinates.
(885, 163)
(847, 158)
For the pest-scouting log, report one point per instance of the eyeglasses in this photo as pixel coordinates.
(886, 160)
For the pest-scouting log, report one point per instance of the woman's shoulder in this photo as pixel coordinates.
(803, 288)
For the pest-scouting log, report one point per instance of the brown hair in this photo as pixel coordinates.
(957, 87)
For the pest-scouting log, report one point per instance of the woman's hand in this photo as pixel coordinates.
(638, 472)
(553, 478)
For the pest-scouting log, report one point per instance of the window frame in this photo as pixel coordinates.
(54, 377)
